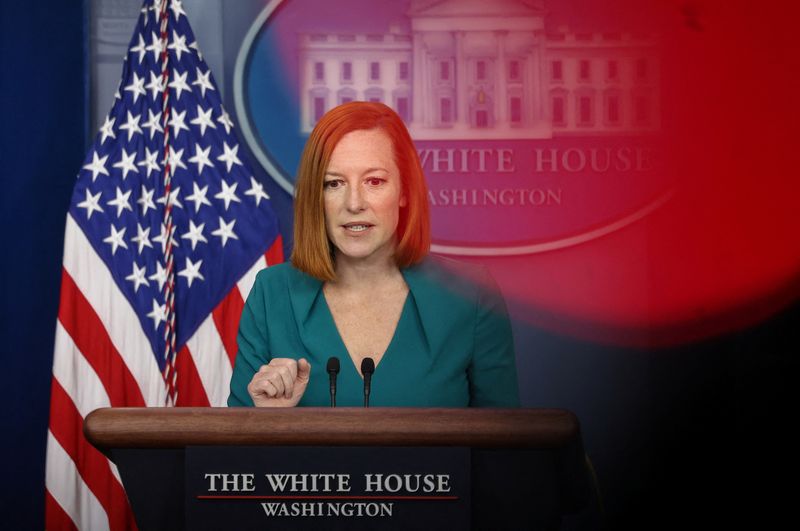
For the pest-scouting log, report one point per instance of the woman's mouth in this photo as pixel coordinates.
(357, 227)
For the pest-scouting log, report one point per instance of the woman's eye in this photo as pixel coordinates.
(374, 181)
(332, 184)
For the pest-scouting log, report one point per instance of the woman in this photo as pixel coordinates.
(360, 284)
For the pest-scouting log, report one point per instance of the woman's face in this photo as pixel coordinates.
(363, 196)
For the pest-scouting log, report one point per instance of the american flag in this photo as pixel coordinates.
(165, 233)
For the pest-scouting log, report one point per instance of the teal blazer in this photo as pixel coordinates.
(452, 346)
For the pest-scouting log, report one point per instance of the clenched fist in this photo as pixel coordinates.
(281, 383)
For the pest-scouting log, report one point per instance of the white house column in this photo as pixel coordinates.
(461, 79)
(501, 93)
(539, 77)
(418, 96)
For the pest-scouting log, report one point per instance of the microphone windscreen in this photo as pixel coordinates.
(333, 365)
(367, 366)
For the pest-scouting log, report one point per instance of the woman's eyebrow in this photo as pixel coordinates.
(368, 170)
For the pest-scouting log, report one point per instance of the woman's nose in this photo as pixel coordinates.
(355, 199)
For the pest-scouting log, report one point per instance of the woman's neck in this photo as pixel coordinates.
(365, 274)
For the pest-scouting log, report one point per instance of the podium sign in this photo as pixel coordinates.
(506, 468)
(327, 488)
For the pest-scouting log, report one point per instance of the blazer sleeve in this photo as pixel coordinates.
(493, 370)
(253, 343)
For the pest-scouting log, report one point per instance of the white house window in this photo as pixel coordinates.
(584, 72)
(481, 70)
(557, 71)
(613, 116)
(559, 110)
(444, 70)
(613, 70)
(515, 104)
(585, 111)
(319, 71)
(347, 71)
(446, 110)
(403, 71)
(374, 71)
(319, 108)
(513, 71)
(402, 107)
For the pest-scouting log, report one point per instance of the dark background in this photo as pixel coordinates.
(695, 436)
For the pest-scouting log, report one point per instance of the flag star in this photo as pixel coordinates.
(91, 203)
(225, 120)
(140, 48)
(162, 238)
(177, 9)
(178, 44)
(107, 130)
(173, 198)
(116, 92)
(178, 122)
(225, 231)
(196, 48)
(142, 238)
(155, 46)
(132, 125)
(203, 120)
(257, 191)
(229, 156)
(159, 276)
(137, 277)
(204, 81)
(136, 87)
(175, 161)
(156, 85)
(150, 161)
(145, 8)
(191, 271)
(115, 239)
(195, 234)
(153, 123)
(198, 196)
(201, 158)
(97, 166)
(228, 193)
(158, 313)
(121, 201)
(146, 200)
(179, 83)
(126, 163)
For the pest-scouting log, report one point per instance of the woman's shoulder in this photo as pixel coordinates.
(448, 270)
(281, 276)
(447, 276)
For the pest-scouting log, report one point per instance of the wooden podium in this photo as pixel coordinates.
(526, 466)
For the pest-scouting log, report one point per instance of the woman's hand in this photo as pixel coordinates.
(281, 383)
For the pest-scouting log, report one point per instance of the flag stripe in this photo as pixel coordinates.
(245, 284)
(68, 489)
(191, 392)
(226, 318)
(65, 426)
(76, 375)
(94, 280)
(87, 331)
(274, 254)
(212, 363)
(55, 516)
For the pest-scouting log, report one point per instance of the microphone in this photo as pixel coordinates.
(333, 370)
(367, 368)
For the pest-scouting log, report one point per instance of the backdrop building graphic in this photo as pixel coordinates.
(458, 69)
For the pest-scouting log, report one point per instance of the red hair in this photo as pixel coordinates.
(312, 251)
